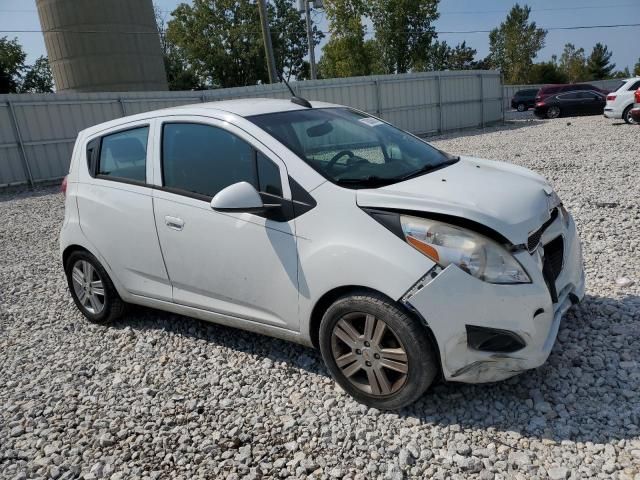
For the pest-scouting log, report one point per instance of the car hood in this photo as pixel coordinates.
(509, 199)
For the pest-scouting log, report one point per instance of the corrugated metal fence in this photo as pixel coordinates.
(37, 131)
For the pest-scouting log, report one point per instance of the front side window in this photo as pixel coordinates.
(350, 148)
(203, 159)
(123, 155)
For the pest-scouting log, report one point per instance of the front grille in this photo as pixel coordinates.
(552, 265)
(554, 255)
(534, 238)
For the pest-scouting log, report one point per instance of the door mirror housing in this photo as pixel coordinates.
(239, 197)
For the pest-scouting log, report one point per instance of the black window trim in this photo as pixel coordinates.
(93, 168)
(200, 196)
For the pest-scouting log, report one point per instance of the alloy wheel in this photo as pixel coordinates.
(369, 354)
(629, 119)
(88, 286)
(553, 112)
(521, 107)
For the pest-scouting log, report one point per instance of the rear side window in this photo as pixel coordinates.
(123, 155)
(203, 159)
(568, 96)
(635, 86)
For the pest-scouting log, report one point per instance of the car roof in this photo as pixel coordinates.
(244, 107)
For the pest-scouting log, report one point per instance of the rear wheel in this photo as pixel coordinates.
(553, 112)
(626, 115)
(92, 289)
(376, 352)
(521, 107)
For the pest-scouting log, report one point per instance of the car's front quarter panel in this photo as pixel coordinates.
(340, 245)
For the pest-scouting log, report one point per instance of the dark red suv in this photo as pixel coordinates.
(548, 90)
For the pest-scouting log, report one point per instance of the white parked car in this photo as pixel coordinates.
(326, 226)
(620, 102)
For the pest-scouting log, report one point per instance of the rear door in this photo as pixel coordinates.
(570, 103)
(240, 264)
(116, 210)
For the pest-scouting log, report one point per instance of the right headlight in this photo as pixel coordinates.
(476, 254)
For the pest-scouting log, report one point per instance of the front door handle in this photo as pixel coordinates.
(174, 223)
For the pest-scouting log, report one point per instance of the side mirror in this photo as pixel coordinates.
(239, 197)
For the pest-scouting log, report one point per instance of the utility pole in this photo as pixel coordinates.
(312, 53)
(266, 38)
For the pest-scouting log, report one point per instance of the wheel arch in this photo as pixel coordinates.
(326, 300)
(66, 253)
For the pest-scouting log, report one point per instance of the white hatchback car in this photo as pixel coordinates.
(326, 226)
(620, 102)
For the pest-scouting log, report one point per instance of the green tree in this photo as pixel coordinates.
(346, 54)
(38, 77)
(636, 68)
(546, 72)
(441, 56)
(515, 43)
(622, 73)
(12, 59)
(220, 40)
(573, 63)
(180, 74)
(404, 31)
(599, 64)
(289, 34)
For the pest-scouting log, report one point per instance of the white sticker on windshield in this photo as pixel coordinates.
(372, 122)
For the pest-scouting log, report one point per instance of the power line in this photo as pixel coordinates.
(440, 32)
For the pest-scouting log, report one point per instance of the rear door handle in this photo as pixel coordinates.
(174, 223)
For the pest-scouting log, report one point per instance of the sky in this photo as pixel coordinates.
(456, 15)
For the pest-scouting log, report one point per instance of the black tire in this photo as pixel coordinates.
(551, 112)
(422, 364)
(521, 107)
(626, 115)
(113, 307)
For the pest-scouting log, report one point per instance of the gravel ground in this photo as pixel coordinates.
(162, 396)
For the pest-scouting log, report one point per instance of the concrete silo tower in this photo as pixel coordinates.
(103, 45)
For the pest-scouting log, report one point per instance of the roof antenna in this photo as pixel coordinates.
(294, 98)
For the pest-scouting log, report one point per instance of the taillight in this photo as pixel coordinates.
(611, 98)
(63, 186)
(638, 95)
(539, 104)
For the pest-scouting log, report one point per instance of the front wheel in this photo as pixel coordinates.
(626, 116)
(553, 112)
(376, 352)
(521, 107)
(92, 289)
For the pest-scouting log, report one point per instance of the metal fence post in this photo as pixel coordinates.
(481, 101)
(378, 99)
(23, 153)
(502, 106)
(440, 102)
(122, 106)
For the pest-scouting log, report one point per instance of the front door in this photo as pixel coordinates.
(238, 264)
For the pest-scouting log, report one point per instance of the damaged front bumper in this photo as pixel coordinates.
(452, 300)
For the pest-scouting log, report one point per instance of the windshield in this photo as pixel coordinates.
(350, 148)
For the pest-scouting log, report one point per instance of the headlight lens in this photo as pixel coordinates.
(476, 254)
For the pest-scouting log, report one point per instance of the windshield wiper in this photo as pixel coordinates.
(427, 169)
(370, 181)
